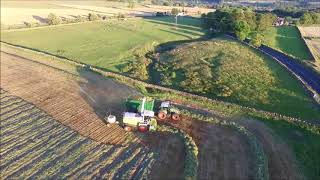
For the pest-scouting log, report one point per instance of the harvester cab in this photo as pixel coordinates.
(168, 111)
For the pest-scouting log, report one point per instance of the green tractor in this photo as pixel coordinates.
(167, 111)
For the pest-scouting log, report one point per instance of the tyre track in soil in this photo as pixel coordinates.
(65, 97)
(224, 153)
(282, 164)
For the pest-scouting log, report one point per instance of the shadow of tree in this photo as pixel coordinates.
(40, 19)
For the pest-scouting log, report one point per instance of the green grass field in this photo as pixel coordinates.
(106, 44)
(288, 40)
(226, 70)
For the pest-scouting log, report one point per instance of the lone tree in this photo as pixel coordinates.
(54, 19)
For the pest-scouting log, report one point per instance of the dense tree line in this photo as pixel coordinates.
(303, 17)
(243, 22)
(309, 18)
(291, 12)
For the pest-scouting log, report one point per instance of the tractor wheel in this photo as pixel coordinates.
(142, 128)
(162, 116)
(175, 117)
(127, 128)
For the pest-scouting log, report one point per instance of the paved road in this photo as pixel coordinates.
(310, 77)
(307, 75)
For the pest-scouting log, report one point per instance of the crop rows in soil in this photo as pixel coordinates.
(60, 96)
(34, 145)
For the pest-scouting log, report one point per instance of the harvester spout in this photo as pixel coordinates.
(143, 103)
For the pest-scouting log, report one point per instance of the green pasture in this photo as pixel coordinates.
(226, 70)
(288, 40)
(108, 44)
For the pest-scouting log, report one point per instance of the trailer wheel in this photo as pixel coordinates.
(162, 115)
(127, 128)
(143, 128)
(175, 117)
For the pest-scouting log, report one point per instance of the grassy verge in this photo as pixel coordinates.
(288, 40)
(305, 145)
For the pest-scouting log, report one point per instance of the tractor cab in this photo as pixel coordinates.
(168, 111)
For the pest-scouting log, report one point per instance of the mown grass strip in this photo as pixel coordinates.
(20, 117)
(124, 166)
(117, 162)
(26, 163)
(51, 152)
(62, 155)
(74, 163)
(22, 153)
(93, 163)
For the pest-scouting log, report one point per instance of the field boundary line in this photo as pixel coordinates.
(132, 81)
(312, 50)
(305, 42)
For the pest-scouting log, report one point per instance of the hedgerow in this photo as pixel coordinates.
(191, 158)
